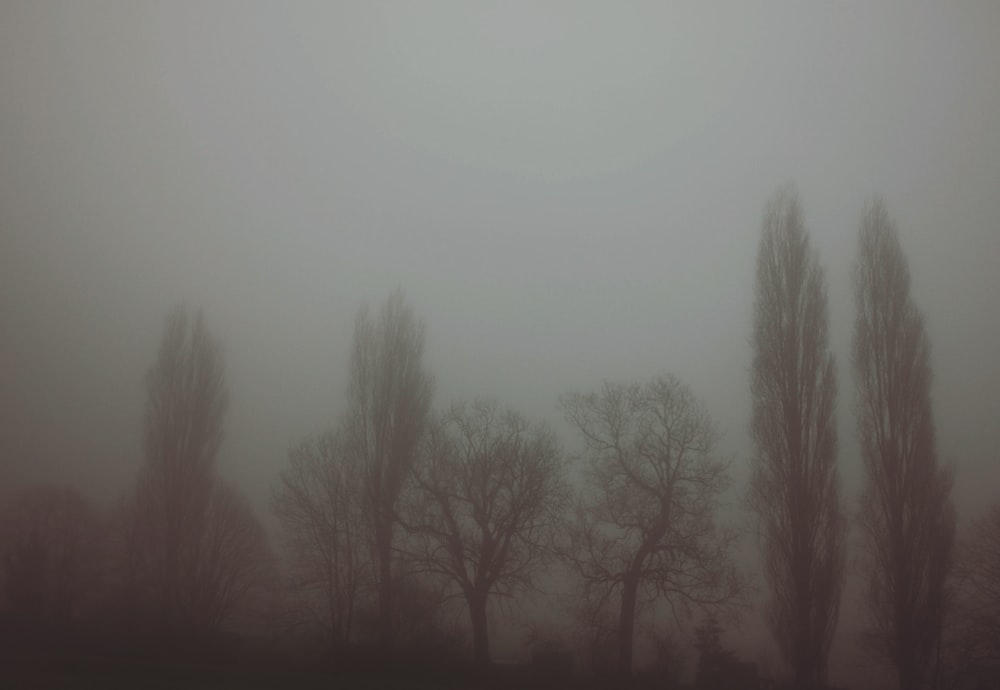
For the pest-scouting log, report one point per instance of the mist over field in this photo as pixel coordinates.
(563, 194)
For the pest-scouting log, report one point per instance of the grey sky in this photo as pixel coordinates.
(566, 192)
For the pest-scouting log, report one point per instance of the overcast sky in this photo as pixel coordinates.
(566, 193)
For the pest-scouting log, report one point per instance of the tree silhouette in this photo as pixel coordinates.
(233, 568)
(52, 550)
(488, 496)
(320, 504)
(974, 632)
(713, 658)
(389, 398)
(645, 527)
(906, 511)
(794, 490)
(193, 547)
(186, 400)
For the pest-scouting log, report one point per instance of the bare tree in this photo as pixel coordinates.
(228, 571)
(389, 399)
(320, 506)
(974, 630)
(186, 400)
(714, 660)
(233, 570)
(645, 529)
(906, 510)
(794, 490)
(193, 547)
(489, 494)
(52, 558)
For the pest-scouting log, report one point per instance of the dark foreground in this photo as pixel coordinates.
(48, 670)
(38, 670)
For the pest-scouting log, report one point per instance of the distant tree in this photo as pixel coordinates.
(423, 623)
(53, 552)
(186, 400)
(645, 527)
(234, 570)
(974, 630)
(669, 663)
(906, 510)
(488, 496)
(596, 618)
(713, 658)
(389, 398)
(192, 546)
(320, 505)
(794, 490)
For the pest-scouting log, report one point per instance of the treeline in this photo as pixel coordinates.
(402, 511)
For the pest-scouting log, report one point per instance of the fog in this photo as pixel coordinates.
(565, 193)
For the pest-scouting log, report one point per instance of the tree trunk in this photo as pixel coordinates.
(385, 594)
(480, 630)
(349, 621)
(169, 603)
(805, 675)
(936, 676)
(909, 677)
(804, 663)
(626, 625)
(907, 658)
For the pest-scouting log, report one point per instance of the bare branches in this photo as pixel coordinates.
(234, 566)
(646, 526)
(487, 498)
(320, 504)
(52, 552)
(906, 511)
(389, 397)
(193, 547)
(794, 490)
(186, 400)
(974, 630)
